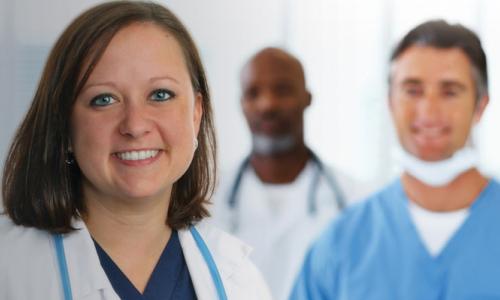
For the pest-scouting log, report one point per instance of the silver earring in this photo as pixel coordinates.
(195, 143)
(70, 158)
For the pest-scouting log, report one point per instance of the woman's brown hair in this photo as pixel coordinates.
(41, 187)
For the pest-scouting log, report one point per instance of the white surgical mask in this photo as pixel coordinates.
(439, 173)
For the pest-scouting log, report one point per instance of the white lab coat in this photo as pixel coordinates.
(29, 269)
(275, 219)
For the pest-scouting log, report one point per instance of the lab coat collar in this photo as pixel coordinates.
(86, 274)
(228, 253)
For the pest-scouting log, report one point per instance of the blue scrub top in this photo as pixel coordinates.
(373, 251)
(170, 278)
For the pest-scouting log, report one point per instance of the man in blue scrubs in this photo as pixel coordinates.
(434, 233)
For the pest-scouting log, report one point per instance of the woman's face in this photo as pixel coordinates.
(135, 121)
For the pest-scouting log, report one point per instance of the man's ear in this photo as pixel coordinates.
(480, 107)
(308, 98)
(390, 101)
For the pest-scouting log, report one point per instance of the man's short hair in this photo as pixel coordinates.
(440, 34)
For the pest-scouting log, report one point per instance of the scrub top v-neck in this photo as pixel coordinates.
(170, 278)
(373, 251)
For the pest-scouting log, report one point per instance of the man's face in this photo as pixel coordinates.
(432, 100)
(274, 98)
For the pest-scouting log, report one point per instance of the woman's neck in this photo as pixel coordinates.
(111, 226)
(134, 236)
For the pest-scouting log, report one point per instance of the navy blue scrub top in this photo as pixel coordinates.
(170, 278)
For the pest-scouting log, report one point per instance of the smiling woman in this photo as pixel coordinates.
(136, 119)
(110, 172)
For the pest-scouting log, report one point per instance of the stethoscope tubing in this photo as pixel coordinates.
(200, 243)
(312, 192)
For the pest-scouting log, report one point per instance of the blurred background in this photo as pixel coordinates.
(344, 46)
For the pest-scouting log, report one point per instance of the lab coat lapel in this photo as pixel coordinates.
(87, 277)
(228, 253)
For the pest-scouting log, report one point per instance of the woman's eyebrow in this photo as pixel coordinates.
(163, 77)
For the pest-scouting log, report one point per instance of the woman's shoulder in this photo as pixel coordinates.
(228, 251)
(17, 235)
(22, 250)
(219, 240)
(20, 244)
(232, 257)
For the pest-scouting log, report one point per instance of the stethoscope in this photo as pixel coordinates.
(311, 194)
(207, 256)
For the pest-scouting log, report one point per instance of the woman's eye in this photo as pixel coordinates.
(102, 100)
(161, 95)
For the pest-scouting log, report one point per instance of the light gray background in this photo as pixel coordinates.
(343, 44)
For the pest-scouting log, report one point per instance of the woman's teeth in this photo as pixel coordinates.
(137, 155)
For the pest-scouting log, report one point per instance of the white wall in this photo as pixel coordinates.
(343, 44)
(227, 32)
(28, 28)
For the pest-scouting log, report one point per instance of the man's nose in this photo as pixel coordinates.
(267, 102)
(430, 107)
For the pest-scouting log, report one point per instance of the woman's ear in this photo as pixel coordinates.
(198, 112)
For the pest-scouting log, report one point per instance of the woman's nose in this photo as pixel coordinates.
(135, 122)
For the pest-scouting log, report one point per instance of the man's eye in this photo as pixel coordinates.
(161, 95)
(413, 91)
(102, 100)
(450, 93)
(283, 90)
(250, 94)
